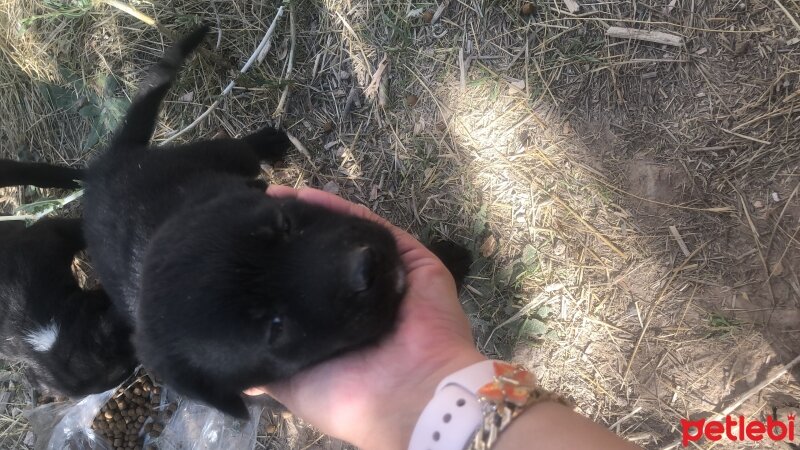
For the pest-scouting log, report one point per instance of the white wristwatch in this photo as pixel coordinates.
(454, 413)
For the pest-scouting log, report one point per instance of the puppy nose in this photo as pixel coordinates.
(363, 265)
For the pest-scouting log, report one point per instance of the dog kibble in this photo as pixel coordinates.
(132, 414)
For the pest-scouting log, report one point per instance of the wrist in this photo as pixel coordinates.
(395, 416)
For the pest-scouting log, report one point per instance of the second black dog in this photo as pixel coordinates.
(71, 339)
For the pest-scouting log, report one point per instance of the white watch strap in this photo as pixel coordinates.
(454, 413)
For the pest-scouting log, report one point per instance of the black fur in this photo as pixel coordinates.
(455, 257)
(92, 351)
(42, 175)
(228, 288)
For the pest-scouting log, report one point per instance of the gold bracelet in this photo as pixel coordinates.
(512, 391)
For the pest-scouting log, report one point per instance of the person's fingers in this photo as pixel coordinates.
(277, 190)
(326, 200)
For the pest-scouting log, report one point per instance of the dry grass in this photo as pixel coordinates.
(561, 156)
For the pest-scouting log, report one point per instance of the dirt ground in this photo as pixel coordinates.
(632, 205)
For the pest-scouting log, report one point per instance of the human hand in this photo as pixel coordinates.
(373, 397)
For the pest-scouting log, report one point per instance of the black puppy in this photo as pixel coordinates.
(228, 288)
(71, 339)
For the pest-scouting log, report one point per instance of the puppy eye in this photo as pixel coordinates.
(274, 330)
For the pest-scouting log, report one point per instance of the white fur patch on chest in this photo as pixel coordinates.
(44, 338)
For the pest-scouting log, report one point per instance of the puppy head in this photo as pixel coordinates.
(88, 347)
(246, 289)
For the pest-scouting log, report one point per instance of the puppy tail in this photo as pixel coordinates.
(455, 257)
(14, 173)
(140, 121)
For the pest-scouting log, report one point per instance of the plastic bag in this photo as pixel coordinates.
(62, 426)
(199, 427)
(68, 426)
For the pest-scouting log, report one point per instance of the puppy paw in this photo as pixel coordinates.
(270, 144)
(455, 257)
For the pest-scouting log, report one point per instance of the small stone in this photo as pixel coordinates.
(187, 97)
(777, 269)
(271, 429)
(742, 47)
(758, 204)
(411, 100)
(331, 187)
(221, 134)
(527, 9)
